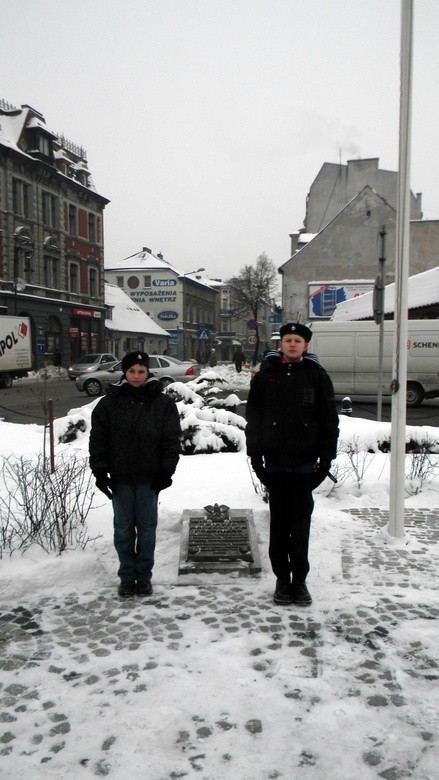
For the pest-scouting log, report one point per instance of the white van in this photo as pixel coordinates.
(349, 352)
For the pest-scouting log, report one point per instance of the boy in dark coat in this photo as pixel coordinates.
(292, 431)
(134, 451)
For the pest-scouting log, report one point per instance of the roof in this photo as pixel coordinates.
(422, 290)
(127, 317)
(148, 261)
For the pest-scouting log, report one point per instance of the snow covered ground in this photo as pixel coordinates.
(208, 678)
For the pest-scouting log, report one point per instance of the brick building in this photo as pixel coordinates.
(51, 237)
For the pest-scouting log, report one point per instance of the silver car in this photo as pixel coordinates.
(166, 369)
(93, 361)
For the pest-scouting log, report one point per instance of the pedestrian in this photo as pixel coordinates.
(134, 451)
(292, 431)
(238, 359)
(212, 359)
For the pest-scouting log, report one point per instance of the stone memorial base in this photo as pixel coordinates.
(218, 539)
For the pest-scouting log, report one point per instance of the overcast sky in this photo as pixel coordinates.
(206, 121)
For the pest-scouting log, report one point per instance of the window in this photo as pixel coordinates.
(74, 277)
(92, 228)
(147, 281)
(50, 209)
(72, 220)
(119, 281)
(51, 272)
(21, 198)
(93, 283)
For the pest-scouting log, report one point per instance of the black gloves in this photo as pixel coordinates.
(160, 482)
(261, 473)
(320, 473)
(103, 483)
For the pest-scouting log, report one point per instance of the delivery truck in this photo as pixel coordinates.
(15, 348)
(350, 353)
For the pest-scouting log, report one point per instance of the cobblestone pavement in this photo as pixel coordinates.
(67, 662)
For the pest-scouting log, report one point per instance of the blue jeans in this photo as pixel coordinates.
(135, 523)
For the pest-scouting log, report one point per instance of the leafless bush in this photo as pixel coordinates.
(422, 467)
(359, 459)
(37, 507)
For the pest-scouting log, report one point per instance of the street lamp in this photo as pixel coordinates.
(183, 321)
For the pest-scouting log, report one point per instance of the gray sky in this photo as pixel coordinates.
(206, 121)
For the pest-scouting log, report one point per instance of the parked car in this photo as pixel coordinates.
(166, 369)
(93, 361)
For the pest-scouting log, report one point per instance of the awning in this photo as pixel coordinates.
(236, 343)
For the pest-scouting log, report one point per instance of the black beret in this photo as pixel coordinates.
(134, 358)
(296, 327)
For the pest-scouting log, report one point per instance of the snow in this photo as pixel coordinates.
(422, 290)
(209, 678)
(126, 316)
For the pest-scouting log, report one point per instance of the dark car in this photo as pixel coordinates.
(93, 361)
(166, 369)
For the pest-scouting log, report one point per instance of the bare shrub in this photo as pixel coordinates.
(37, 507)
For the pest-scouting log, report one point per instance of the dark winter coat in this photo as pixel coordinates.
(291, 413)
(135, 434)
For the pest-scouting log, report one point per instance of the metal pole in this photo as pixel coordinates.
(51, 437)
(382, 260)
(399, 378)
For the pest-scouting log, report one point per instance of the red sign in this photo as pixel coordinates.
(86, 313)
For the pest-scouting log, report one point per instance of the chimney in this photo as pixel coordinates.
(146, 249)
(159, 255)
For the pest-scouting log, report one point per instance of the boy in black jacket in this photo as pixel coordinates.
(134, 451)
(292, 431)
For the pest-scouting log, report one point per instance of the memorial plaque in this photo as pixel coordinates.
(218, 539)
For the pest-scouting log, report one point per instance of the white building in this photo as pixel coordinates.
(128, 328)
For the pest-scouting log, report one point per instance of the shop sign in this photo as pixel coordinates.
(86, 313)
(74, 333)
(167, 315)
(164, 282)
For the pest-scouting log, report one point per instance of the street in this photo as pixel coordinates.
(26, 400)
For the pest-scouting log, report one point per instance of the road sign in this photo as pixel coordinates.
(251, 340)
(275, 318)
(203, 334)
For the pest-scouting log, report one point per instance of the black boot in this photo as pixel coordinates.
(282, 594)
(126, 588)
(300, 594)
(144, 588)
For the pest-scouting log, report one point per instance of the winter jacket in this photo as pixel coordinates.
(135, 434)
(291, 413)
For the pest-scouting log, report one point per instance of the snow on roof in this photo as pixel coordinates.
(127, 316)
(148, 261)
(423, 290)
(142, 261)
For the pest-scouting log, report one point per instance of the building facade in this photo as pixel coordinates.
(335, 256)
(180, 302)
(239, 331)
(51, 237)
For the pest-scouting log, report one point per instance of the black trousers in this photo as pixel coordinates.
(291, 505)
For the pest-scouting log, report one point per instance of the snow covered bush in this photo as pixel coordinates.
(208, 423)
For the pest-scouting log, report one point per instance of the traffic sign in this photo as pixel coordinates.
(203, 334)
(251, 340)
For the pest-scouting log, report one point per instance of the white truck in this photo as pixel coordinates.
(349, 351)
(15, 348)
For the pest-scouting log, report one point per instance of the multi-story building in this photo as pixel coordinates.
(239, 331)
(350, 223)
(181, 302)
(51, 237)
